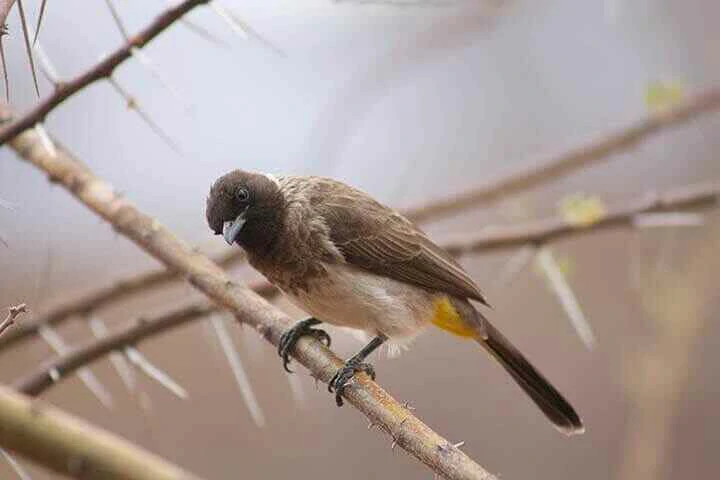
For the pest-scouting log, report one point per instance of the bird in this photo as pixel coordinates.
(347, 260)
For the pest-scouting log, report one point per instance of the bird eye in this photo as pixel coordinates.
(242, 194)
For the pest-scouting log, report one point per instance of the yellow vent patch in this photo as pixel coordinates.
(447, 318)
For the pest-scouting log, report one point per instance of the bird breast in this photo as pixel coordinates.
(350, 297)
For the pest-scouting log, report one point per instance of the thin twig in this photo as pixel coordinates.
(73, 359)
(585, 154)
(367, 396)
(102, 69)
(72, 447)
(544, 231)
(13, 313)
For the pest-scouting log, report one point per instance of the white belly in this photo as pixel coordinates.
(354, 298)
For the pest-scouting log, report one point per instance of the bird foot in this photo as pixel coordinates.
(342, 377)
(290, 338)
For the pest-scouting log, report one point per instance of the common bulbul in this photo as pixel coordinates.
(348, 260)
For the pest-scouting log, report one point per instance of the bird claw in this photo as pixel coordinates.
(289, 339)
(342, 377)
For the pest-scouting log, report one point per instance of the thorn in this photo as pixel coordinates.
(135, 106)
(237, 368)
(565, 295)
(155, 72)
(459, 444)
(17, 468)
(28, 48)
(229, 19)
(123, 369)
(516, 264)
(139, 360)
(55, 341)
(41, 15)
(203, 33)
(46, 66)
(3, 32)
(249, 31)
(116, 18)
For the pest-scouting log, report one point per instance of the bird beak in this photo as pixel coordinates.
(231, 228)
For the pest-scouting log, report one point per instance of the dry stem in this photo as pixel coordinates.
(13, 313)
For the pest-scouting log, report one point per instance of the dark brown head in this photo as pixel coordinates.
(246, 208)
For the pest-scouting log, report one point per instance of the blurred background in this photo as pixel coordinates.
(410, 102)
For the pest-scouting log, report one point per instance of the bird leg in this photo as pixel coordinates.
(290, 338)
(354, 364)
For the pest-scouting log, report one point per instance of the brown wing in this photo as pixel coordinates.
(382, 241)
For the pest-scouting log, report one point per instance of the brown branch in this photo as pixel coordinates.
(406, 430)
(574, 159)
(492, 238)
(13, 313)
(101, 70)
(5, 7)
(548, 230)
(72, 447)
(60, 367)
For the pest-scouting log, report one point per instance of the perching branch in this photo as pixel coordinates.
(72, 447)
(574, 159)
(407, 431)
(101, 70)
(13, 313)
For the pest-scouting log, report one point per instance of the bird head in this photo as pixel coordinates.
(245, 208)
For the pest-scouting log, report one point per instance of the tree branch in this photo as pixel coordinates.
(70, 446)
(60, 367)
(13, 313)
(489, 239)
(5, 7)
(102, 69)
(574, 159)
(543, 231)
(406, 430)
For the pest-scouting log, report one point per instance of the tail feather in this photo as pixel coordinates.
(545, 396)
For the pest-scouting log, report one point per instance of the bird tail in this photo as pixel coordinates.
(545, 396)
